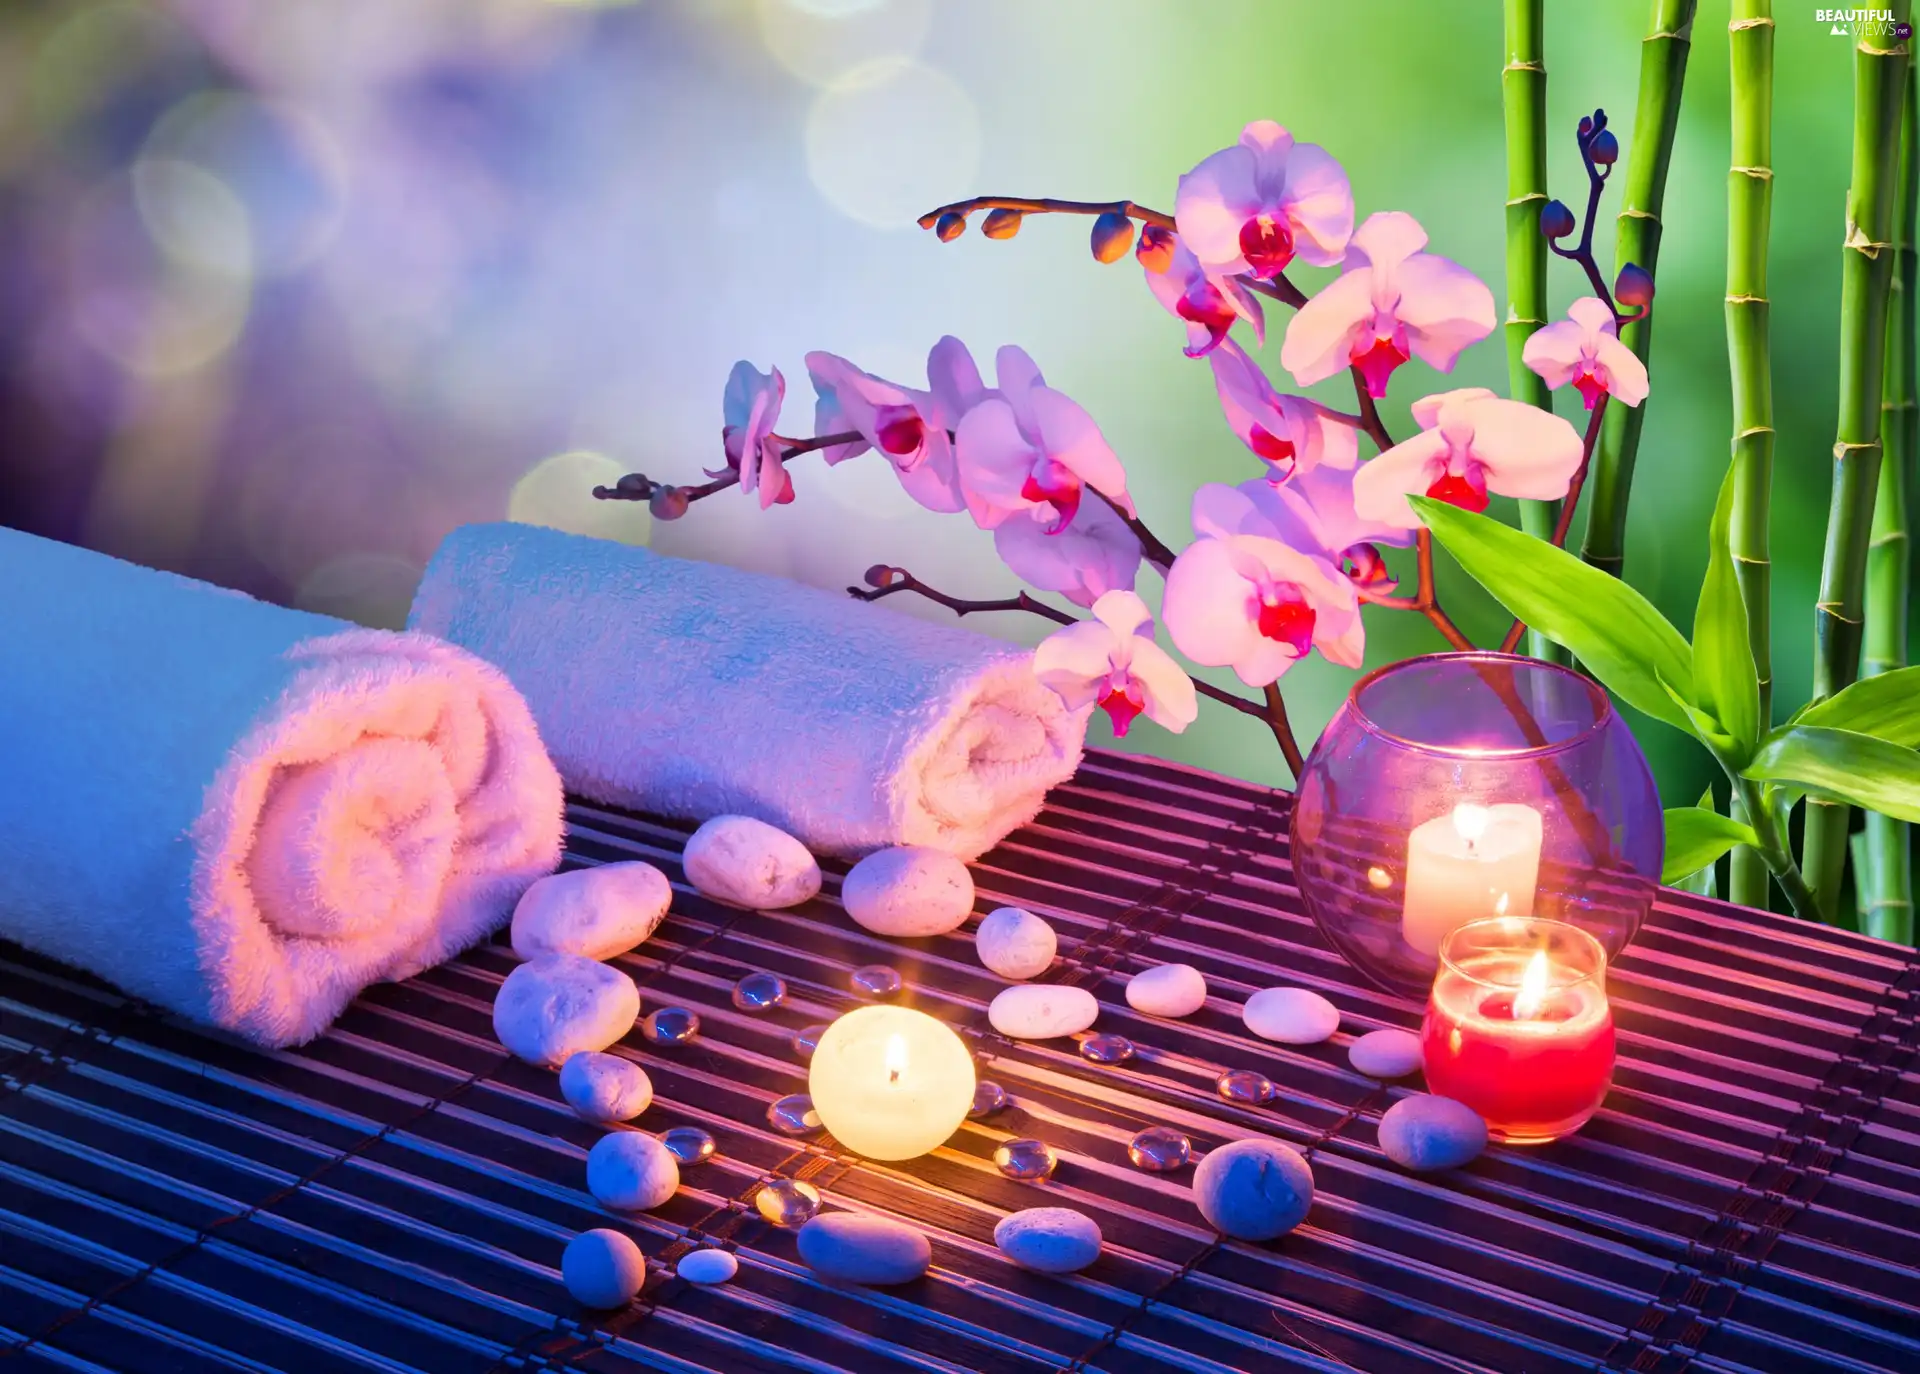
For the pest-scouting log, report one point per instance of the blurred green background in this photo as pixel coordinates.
(294, 287)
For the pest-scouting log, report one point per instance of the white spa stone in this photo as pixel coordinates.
(856, 1248)
(908, 890)
(1385, 1053)
(551, 1008)
(1426, 1132)
(750, 863)
(1049, 1240)
(1037, 1011)
(631, 1172)
(1169, 990)
(1253, 1189)
(1015, 943)
(708, 1265)
(602, 1268)
(593, 912)
(604, 1088)
(1293, 1016)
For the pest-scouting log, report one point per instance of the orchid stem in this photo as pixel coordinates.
(1565, 521)
(1151, 544)
(1276, 717)
(1047, 205)
(637, 486)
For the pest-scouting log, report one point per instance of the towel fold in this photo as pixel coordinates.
(243, 813)
(694, 690)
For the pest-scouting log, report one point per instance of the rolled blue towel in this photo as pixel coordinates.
(244, 813)
(695, 690)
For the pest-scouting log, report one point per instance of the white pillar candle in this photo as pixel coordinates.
(890, 1082)
(1473, 862)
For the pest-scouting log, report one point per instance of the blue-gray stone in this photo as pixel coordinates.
(1253, 1189)
(1049, 1240)
(855, 1248)
(1428, 1132)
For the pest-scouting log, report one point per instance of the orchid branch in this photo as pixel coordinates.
(1156, 551)
(1565, 522)
(637, 486)
(1044, 205)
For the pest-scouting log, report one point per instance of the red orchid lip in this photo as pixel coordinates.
(1274, 449)
(1065, 498)
(1121, 706)
(1287, 620)
(1469, 492)
(1266, 242)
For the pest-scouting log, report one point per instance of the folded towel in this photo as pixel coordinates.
(243, 813)
(694, 690)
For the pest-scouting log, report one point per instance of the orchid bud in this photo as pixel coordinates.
(1586, 125)
(1001, 224)
(950, 226)
(880, 575)
(1633, 286)
(1556, 220)
(1155, 249)
(1605, 149)
(633, 484)
(668, 503)
(1112, 237)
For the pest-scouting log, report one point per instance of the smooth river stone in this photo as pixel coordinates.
(750, 863)
(1015, 943)
(553, 1007)
(1385, 1053)
(631, 1172)
(593, 912)
(707, 1266)
(1169, 990)
(1426, 1132)
(1038, 1011)
(908, 891)
(855, 1248)
(1253, 1189)
(1049, 1240)
(602, 1268)
(1292, 1016)
(604, 1087)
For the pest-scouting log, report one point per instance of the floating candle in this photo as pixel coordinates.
(889, 1082)
(1475, 861)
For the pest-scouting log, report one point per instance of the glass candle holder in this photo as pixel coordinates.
(1460, 786)
(1518, 1027)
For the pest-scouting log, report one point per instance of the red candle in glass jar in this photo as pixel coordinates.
(1518, 1027)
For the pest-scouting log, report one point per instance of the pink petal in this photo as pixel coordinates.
(1387, 239)
(1172, 702)
(1626, 374)
(1315, 514)
(1204, 608)
(1341, 637)
(1075, 661)
(1320, 204)
(1526, 451)
(1269, 142)
(1427, 410)
(1382, 485)
(1094, 555)
(1212, 202)
(1330, 442)
(993, 459)
(953, 382)
(1444, 307)
(1070, 437)
(1220, 511)
(1124, 613)
(935, 482)
(1593, 315)
(1556, 352)
(1320, 336)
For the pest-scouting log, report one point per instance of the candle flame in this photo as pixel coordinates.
(896, 1057)
(1500, 907)
(1533, 988)
(1470, 822)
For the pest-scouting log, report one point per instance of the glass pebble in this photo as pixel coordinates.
(988, 1098)
(1032, 1160)
(793, 1114)
(1159, 1149)
(670, 1026)
(876, 980)
(1106, 1049)
(787, 1202)
(1245, 1086)
(806, 1040)
(688, 1144)
(759, 992)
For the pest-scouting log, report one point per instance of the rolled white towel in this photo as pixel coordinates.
(243, 813)
(694, 690)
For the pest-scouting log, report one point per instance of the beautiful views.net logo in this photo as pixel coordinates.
(1863, 24)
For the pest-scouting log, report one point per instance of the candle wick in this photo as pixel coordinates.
(893, 1075)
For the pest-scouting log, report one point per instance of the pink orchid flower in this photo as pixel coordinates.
(1112, 662)
(1472, 443)
(1027, 450)
(1255, 206)
(1291, 434)
(1095, 554)
(1313, 514)
(749, 409)
(1209, 305)
(1585, 349)
(1252, 602)
(1391, 303)
(911, 429)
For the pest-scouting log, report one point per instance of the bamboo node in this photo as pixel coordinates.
(1757, 173)
(1738, 298)
(1761, 22)
(1529, 320)
(1753, 431)
(1530, 196)
(1869, 50)
(1755, 562)
(1635, 212)
(1842, 449)
(1857, 239)
(1827, 608)
(1540, 67)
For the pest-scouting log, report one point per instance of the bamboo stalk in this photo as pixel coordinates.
(1879, 83)
(1523, 92)
(1749, 216)
(1663, 70)
(1885, 880)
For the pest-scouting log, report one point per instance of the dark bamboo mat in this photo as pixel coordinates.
(396, 1195)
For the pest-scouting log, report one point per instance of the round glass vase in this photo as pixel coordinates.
(1456, 787)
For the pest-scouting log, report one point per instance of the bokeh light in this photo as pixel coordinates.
(890, 139)
(558, 492)
(821, 41)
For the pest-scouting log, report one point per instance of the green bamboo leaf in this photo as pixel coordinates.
(1702, 880)
(1612, 629)
(1725, 682)
(1844, 766)
(1886, 707)
(1697, 837)
(1705, 728)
